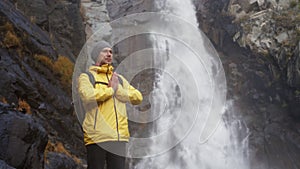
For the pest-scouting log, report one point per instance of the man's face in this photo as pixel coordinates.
(105, 56)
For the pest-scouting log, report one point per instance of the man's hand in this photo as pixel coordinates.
(114, 81)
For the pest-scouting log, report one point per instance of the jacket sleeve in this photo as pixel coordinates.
(126, 93)
(89, 93)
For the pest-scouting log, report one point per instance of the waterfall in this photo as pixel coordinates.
(192, 124)
(188, 101)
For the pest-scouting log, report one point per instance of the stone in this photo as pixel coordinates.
(294, 68)
(3, 165)
(56, 160)
(282, 37)
(23, 140)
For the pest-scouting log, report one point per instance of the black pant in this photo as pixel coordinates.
(111, 152)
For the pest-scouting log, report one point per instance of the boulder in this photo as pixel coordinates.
(23, 139)
(3, 165)
(60, 161)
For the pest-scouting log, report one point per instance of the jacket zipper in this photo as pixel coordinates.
(115, 109)
(116, 118)
(95, 122)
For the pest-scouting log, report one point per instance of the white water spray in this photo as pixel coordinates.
(189, 99)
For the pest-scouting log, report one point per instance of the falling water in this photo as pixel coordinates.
(193, 125)
(188, 100)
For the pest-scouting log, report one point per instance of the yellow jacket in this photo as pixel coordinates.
(106, 116)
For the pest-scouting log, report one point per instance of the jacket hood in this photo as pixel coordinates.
(102, 69)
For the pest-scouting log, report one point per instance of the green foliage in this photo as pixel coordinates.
(243, 19)
(293, 4)
(284, 105)
(298, 35)
(287, 19)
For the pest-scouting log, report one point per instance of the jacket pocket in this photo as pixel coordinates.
(95, 120)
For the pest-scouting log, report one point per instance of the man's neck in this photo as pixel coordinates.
(99, 64)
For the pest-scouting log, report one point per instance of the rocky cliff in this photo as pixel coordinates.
(269, 29)
(259, 46)
(39, 42)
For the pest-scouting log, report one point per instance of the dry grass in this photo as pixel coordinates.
(23, 106)
(59, 148)
(7, 26)
(46, 61)
(3, 100)
(62, 67)
(11, 40)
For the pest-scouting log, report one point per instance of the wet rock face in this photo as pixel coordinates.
(264, 28)
(61, 19)
(261, 27)
(23, 140)
(263, 86)
(116, 11)
(36, 81)
(38, 40)
(270, 28)
(212, 20)
(3, 165)
(120, 8)
(60, 161)
(293, 72)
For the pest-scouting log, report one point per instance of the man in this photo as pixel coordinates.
(105, 124)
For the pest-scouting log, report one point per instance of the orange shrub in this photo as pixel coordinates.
(10, 37)
(44, 60)
(11, 40)
(59, 148)
(23, 106)
(64, 67)
(3, 100)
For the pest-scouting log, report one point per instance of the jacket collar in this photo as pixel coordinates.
(102, 69)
